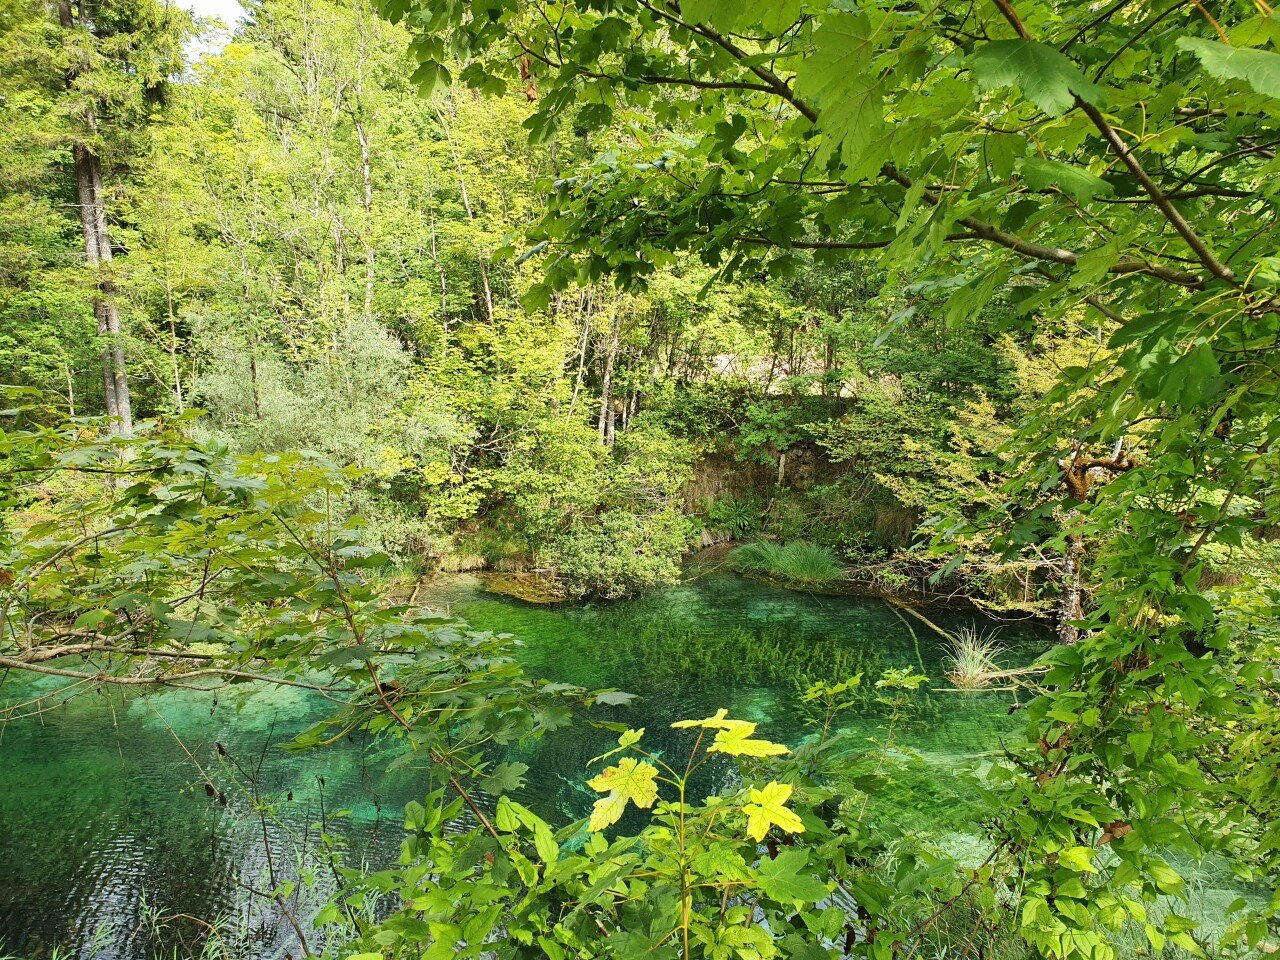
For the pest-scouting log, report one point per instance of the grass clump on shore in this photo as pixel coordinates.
(797, 563)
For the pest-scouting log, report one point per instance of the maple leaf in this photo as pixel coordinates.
(781, 879)
(1258, 68)
(718, 722)
(838, 75)
(734, 739)
(768, 809)
(630, 780)
(1045, 76)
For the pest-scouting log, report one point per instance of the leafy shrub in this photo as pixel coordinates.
(619, 553)
(735, 517)
(800, 563)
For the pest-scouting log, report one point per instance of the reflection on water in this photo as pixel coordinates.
(105, 823)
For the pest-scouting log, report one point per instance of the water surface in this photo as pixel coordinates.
(105, 824)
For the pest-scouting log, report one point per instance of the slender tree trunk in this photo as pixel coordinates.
(97, 248)
(1072, 604)
(605, 422)
(253, 382)
(471, 215)
(366, 173)
(584, 306)
(173, 340)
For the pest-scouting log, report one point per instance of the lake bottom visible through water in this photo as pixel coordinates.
(111, 848)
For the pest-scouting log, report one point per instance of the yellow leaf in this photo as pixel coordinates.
(768, 809)
(629, 780)
(734, 739)
(733, 736)
(718, 722)
(629, 738)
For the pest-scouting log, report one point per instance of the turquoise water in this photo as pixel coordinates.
(111, 848)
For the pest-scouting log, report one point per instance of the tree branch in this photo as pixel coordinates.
(1127, 157)
(980, 228)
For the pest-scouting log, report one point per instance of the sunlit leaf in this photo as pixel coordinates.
(768, 808)
(736, 741)
(631, 781)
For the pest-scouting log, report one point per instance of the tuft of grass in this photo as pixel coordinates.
(972, 658)
(799, 563)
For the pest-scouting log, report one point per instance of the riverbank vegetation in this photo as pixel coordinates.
(797, 563)
(979, 297)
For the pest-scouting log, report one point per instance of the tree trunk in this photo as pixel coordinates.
(86, 203)
(173, 339)
(1072, 605)
(366, 173)
(605, 423)
(486, 290)
(584, 310)
(97, 248)
(253, 382)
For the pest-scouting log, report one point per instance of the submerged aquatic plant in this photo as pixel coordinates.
(973, 658)
(798, 562)
(765, 656)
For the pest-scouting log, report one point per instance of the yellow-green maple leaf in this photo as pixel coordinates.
(733, 736)
(718, 722)
(630, 780)
(735, 739)
(768, 808)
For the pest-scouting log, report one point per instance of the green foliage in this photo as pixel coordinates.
(1052, 186)
(1045, 77)
(98, 86)
(153, 559)
(798, 563)
(1260, 69)
(695, 881)
(1090, 168)
(321, 257)
(737, 517)
(617, 553)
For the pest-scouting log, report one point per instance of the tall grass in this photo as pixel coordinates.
(798, 563)
(972, 658)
